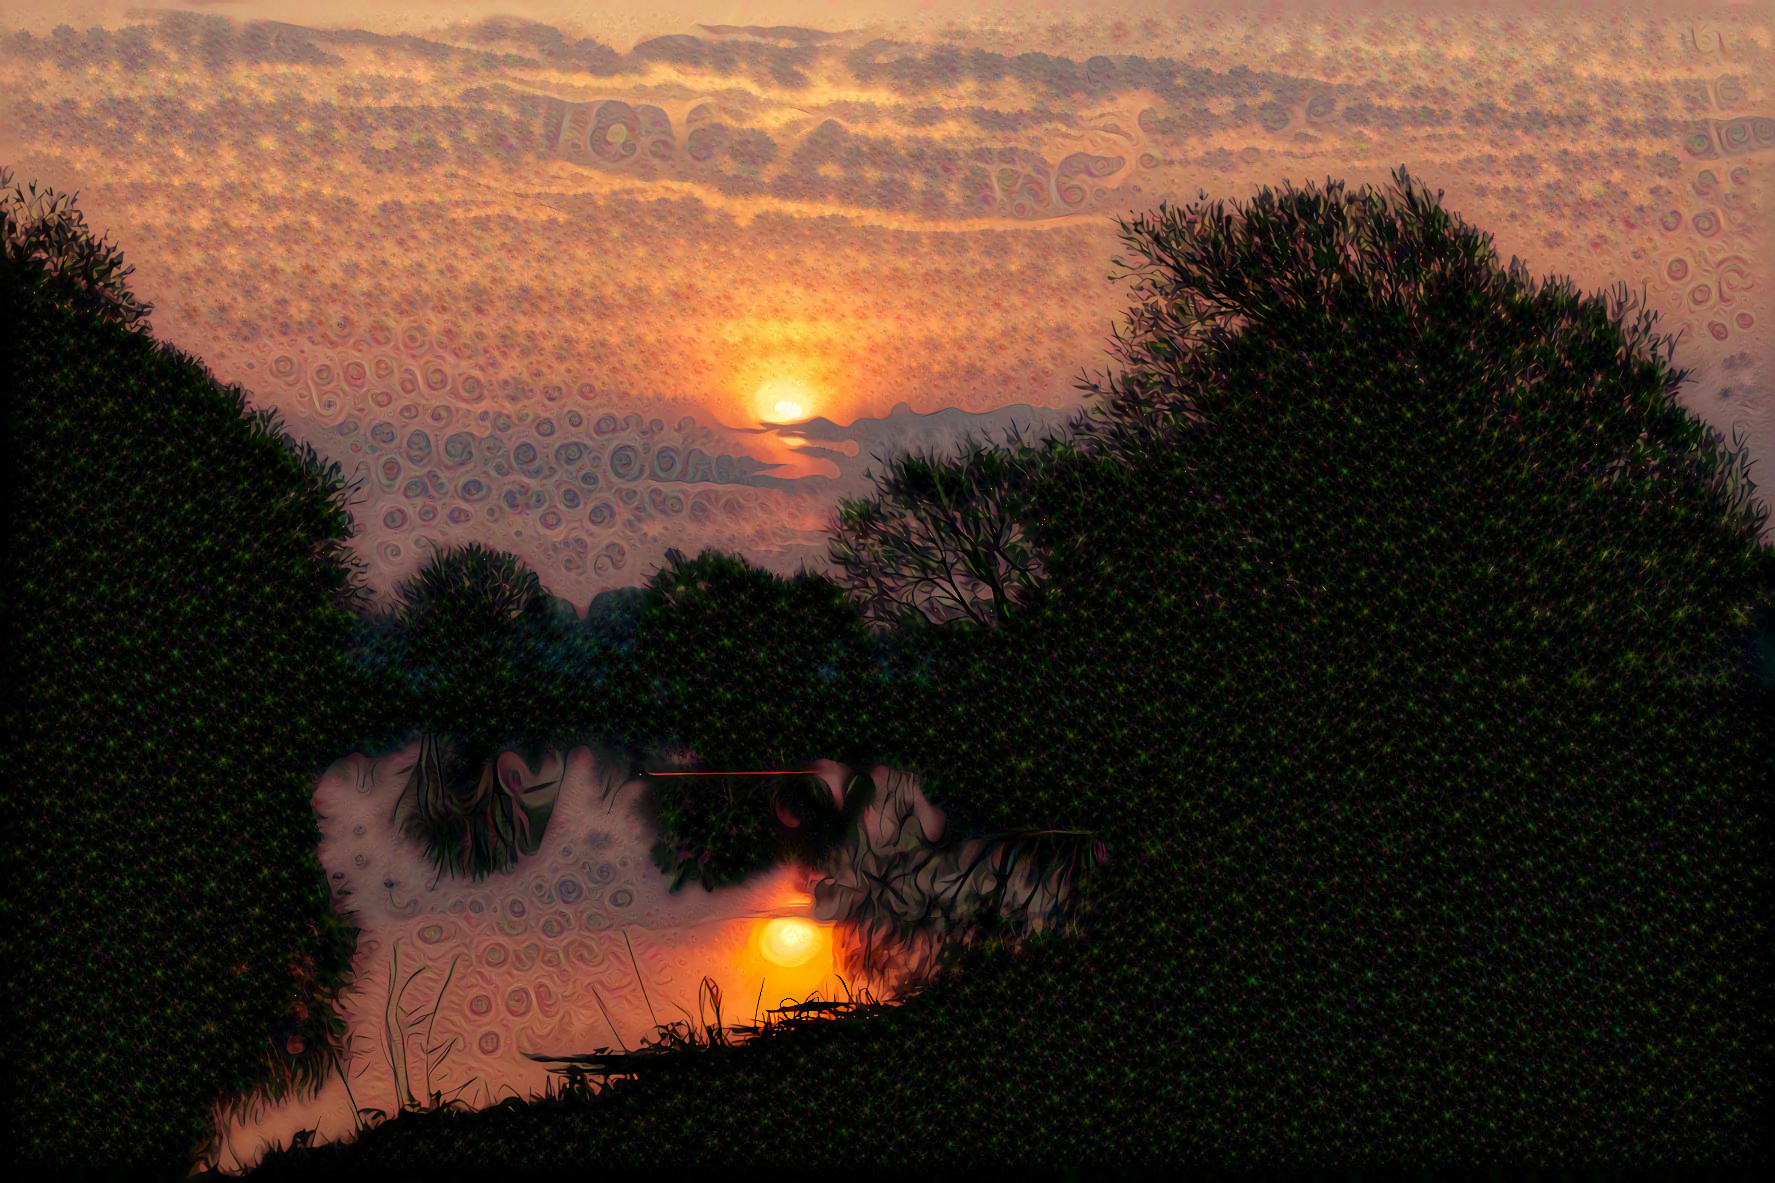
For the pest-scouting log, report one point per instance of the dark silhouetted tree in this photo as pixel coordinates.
(70, 266)
(945, 539)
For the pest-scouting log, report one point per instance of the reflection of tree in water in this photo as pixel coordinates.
(906, 904)
(904, 901)
(475, 814)
(719, 828)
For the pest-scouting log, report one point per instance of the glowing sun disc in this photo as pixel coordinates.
(788, 942)
(783, 399)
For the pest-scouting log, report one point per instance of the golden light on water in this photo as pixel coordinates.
(788, 942)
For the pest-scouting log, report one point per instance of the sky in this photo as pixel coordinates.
(588, 282)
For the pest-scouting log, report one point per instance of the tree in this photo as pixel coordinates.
(755, 672)
(950, 540)
(469, 590)
(474, 634)
(746, 664)
(1210, 282)
(190, 685)
(946, 539)
(1304, 289)
(72, 267)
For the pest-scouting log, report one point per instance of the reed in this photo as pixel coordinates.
(398, 1028)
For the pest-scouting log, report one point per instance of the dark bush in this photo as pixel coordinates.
(744, 664)
(178, 611)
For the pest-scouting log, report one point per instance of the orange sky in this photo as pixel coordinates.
(528, 281)
(445, 248)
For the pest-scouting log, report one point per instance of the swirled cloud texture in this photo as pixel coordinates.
(530, 278)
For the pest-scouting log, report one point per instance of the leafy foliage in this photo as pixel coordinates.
(745, 663)
(178, 648)
(65, 262)
(469, 591)
(945, 540)
(463, 623)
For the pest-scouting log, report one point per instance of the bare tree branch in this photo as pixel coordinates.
(943, 540)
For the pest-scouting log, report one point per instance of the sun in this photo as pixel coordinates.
(789, 942)
(783, 400)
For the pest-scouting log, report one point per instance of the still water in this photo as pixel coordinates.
(581, 945)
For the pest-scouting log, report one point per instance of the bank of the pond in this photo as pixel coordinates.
(582, 945)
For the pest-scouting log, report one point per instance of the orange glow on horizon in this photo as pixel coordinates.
(784, 400)
(806, 363)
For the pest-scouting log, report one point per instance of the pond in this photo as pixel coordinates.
(581, 945)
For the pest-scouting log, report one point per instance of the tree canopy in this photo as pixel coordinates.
(71, 267)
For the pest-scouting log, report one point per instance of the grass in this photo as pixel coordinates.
(679, 1046)
(674, 1047)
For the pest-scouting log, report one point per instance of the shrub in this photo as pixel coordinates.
(69, 267)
